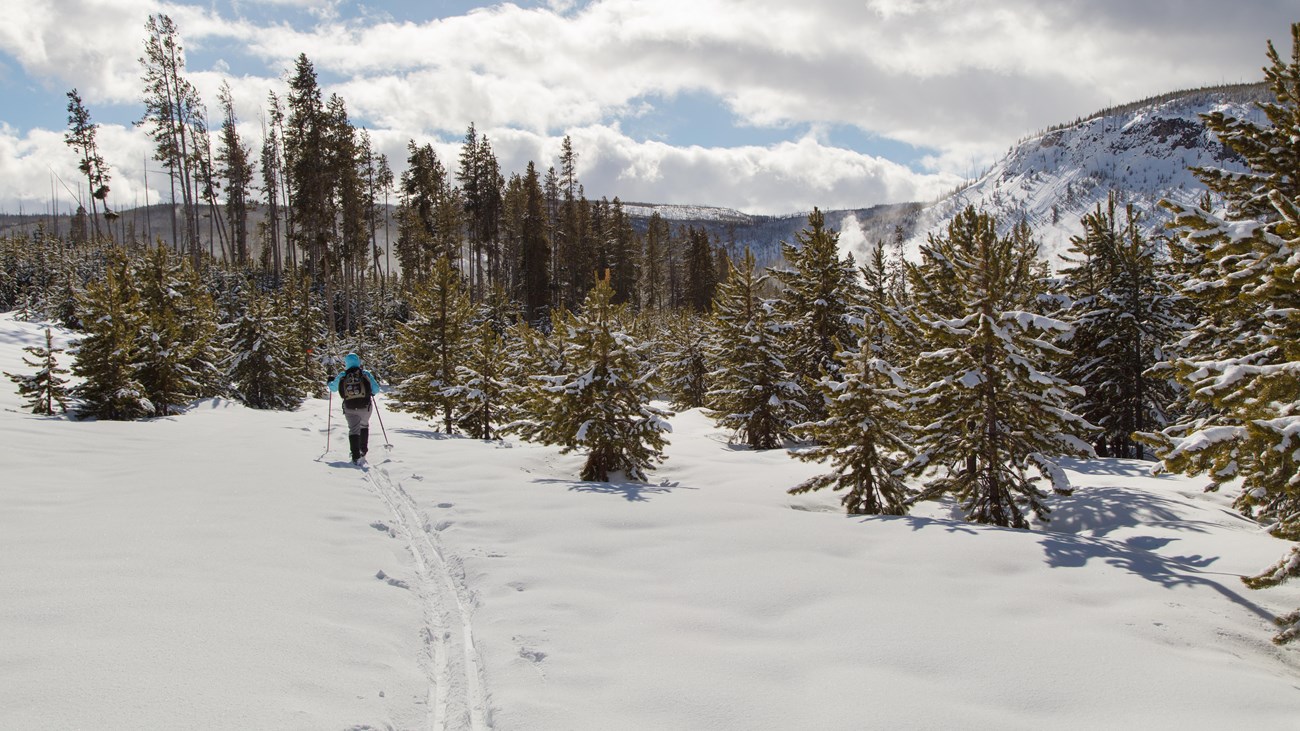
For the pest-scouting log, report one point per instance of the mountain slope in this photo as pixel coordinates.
(1142, 151)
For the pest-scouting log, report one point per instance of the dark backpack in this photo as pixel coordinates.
(354, 387)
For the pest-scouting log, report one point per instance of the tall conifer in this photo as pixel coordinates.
(432, 344)
(819, 293)
(996, 418)
(601, 403)
(262, 363)
(752, 392)
(865, 435)
(109, 355)
(1241, 366)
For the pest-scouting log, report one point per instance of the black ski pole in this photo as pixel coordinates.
(375, 401)
(329, 420)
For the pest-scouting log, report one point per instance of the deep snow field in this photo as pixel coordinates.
(217, 570)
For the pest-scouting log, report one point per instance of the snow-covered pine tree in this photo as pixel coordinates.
(865, 435)
(10, 248)
(819, 291)
(533, 356)
(306, 332)
(1125, 311)
(108, 357)
(45, 388)
(893, 335)
(991, 411)
(1241, 363)
(601, 403)
(752, 392)
(479, 394)
(181, 353)
(432, 343)
(262, 364)
(684, 353)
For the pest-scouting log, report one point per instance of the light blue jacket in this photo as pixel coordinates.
(354, 361)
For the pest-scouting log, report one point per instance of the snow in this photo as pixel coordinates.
(214, 569)
(1034, 321)
(677, 212)
(1054, 179)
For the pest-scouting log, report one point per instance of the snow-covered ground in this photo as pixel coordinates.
(215, 570)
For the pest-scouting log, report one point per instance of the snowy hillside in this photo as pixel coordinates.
(672, 212)
(218, 570)
(1141, 150)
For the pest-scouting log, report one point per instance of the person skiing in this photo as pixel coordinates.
(358, 387)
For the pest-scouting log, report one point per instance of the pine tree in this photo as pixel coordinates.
(701, 274)
(1125, 312)
(865, 435)
(534, 251)
(819, 291)
(684, 353)
(171, 105)
(893, 333)
(1241, 364)
(272, 176)
(44, 388)
(654, 264)
(109, 356)
(601, 403)
(621, 253)
(481, 188)
(235, 166)
(307, 172)
(752, 391)
(431, 344)
(991, 409)
(532, 356)
(81, 137)
(181, 354)
(306, 333)
(262, 363)
(479, 392)
(428, 225)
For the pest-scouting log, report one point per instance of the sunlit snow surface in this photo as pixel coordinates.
(216, 570)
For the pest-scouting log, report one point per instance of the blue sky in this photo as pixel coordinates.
(763, 105)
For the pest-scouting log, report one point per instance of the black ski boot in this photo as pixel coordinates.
(363, 442)
(354, 443)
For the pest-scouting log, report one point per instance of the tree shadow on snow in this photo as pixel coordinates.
(1102, 510)
(26, 338)
(633, 492)
(1135, 557)
(917, 523)
(432, 434)
(1110, 466)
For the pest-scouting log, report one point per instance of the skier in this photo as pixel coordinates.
(358, 388)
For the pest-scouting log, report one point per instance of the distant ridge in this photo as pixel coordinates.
(1141, 150)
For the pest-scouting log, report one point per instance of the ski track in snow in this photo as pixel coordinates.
(457, 692)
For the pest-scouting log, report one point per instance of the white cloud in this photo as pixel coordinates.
(30, 163)
(787, 177)
(784, 178)
(964, 78)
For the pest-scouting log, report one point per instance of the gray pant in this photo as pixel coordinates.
(358, 419)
